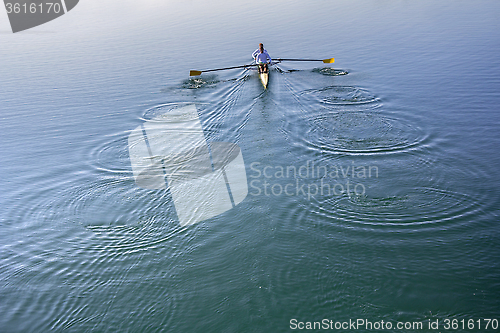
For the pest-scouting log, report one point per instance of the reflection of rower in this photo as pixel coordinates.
(263, 59)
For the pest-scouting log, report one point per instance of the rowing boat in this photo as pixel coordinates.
(264, 77)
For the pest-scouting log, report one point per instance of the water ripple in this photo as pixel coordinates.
(338, 95)
(205, 81)
(436, 209)
(357, 132)
(330, 71)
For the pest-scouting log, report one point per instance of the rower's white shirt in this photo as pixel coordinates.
(261, 57)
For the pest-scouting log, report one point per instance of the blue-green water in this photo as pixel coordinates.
(411, 104)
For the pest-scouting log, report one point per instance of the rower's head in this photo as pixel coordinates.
(261, 47)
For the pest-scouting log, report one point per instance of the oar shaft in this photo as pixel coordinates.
(330, 60)
(194, 73)
(280, 59)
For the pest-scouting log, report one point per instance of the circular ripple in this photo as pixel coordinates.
(330, 71)
(417, 209)
(206, 81)
(340, 95)
(162, 109)
(125, 218)
(110, 154)
(125, 234)
(357, 132)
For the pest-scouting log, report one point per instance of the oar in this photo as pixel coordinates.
(326, 61)
(195, 73)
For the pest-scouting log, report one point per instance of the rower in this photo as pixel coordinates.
(262, 58)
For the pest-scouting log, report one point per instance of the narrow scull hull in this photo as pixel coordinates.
(264, 78)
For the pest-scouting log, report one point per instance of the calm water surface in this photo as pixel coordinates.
(402, 227)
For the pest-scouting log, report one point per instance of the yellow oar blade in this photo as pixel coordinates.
(194, 73)
(329, 61)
